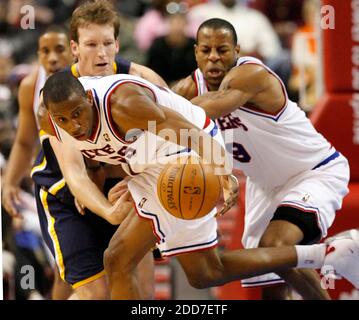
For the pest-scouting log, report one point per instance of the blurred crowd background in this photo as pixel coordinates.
(161, 35)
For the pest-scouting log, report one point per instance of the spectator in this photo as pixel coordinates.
(154, 24)
(304, 59)
(171, 56)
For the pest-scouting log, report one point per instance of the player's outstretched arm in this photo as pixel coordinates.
(248, 83)
(75, 173)
(22, 152)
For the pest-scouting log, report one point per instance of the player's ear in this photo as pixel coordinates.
(195, 47)
(89, 96)
(74, 48)
(238, 50)
(117, 44)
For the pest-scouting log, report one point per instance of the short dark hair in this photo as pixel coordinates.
(216, 24)
(56, 28)
(60, 86)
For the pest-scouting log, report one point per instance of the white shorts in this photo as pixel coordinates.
(175, 236)
(320, 191)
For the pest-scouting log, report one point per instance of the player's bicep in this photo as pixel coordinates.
(132, 106)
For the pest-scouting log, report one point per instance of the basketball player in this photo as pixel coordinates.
(109, 122)
(295, 179)
(54, 54)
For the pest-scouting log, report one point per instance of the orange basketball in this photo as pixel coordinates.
(188, 189)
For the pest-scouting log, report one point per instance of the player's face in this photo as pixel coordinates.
(216, 54)
(95, 50)
(54, 52)
(75, 116)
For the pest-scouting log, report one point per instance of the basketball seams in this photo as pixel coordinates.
(179, 189)
(203, 193)
(159, 190)
(219, 189)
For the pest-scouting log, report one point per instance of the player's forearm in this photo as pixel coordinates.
(209, 104)
(88, 194)
(73, 169)
(190, 136)
(220, 103)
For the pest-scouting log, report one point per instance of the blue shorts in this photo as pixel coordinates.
(77, 242)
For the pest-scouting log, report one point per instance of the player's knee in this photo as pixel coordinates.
(117, 257)
(95, 290)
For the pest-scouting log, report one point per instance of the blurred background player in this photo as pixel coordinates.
(275, 222)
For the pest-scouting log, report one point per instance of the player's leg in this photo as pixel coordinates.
(76, 245)
(281, 232)
(130, 245)
(146, 268)
(61, 290)
(214, 268)
(95, 288)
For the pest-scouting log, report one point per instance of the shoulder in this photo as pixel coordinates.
(147, 74)
(27, 85)
(186, 88)
(122, 65)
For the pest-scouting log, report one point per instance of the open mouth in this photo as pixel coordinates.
(101, 65)
(215, 73)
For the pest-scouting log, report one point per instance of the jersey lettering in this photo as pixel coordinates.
(93, 153)
(231, 122)
(239, 152)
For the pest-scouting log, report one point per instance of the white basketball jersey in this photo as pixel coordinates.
(271, 148)
(40, 82)
(139, 148)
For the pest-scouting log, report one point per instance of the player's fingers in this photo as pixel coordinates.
(17, 199)
(114, 196)
(11, 208)
(118, 187)
(127, 196)
(80, 207)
